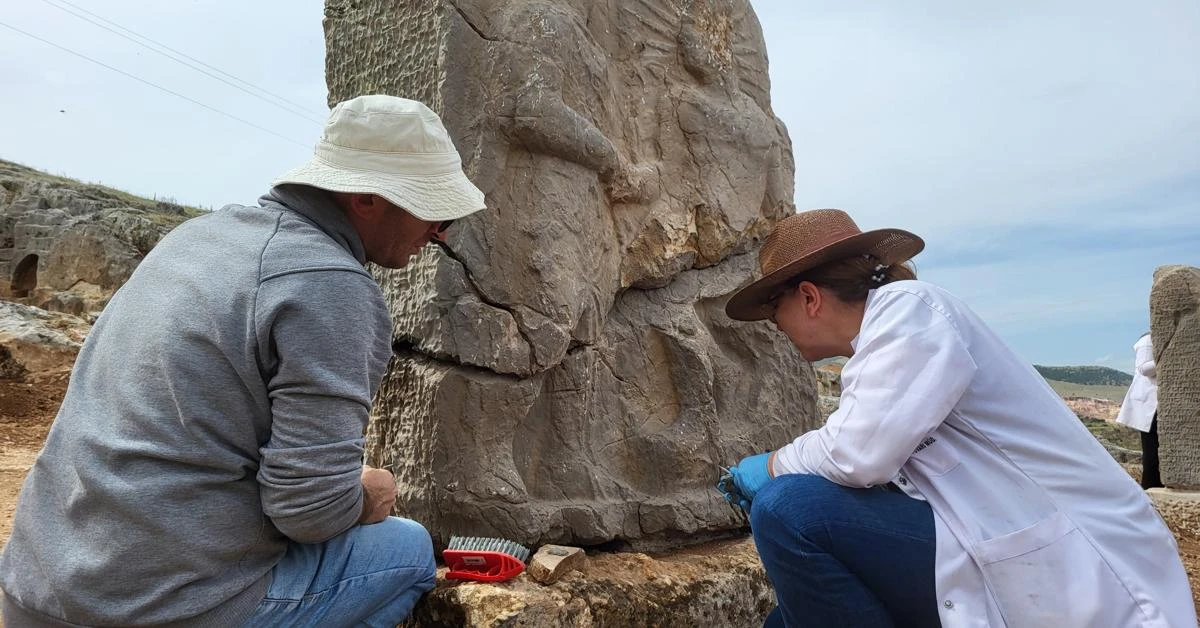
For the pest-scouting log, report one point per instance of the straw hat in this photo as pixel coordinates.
(806, 240)
(396, 148)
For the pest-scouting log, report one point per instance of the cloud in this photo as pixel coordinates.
(949, 114)
(1048, 153)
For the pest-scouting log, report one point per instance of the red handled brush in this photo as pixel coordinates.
(484, 559)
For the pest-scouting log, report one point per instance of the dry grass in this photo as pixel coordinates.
(1067, 389)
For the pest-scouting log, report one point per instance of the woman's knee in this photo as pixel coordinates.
(795, 498)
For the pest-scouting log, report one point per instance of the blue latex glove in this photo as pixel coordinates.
(751, 474)
(739, 484)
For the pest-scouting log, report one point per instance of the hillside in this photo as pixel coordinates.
(16, 175)
(1086, 375)
(67, 245)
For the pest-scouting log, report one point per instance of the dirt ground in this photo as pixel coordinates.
(27, 409)
(1189, 549)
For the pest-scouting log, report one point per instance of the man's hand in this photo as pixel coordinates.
(379, 494)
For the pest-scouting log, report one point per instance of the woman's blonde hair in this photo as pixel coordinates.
(851, 278)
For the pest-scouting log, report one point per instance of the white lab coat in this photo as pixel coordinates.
(1036, 524)
(1141, 400)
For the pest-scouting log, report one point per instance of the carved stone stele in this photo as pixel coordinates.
(1175, 331)
(565, 371)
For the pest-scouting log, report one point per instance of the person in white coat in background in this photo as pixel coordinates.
(1139, 410)
(952, 486)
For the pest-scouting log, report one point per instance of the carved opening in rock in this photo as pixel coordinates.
(25, 278)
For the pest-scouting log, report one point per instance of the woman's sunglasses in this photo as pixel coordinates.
(444, 225)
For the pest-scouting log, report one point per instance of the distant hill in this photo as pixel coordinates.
(1086, 375)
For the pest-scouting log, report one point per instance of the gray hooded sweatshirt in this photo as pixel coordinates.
(216, 411)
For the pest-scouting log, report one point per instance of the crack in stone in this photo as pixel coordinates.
(410, 344)
(471, 24)
(405, 348)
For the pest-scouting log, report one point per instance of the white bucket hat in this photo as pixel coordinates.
(396, 148)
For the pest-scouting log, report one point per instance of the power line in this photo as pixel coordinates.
(154, 85)
(260, 93)
(302, 109)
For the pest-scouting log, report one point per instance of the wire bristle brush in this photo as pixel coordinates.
(484, 559)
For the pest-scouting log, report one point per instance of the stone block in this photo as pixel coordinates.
(718, 584)
(35, 342)
(565, 372)
(1175, 330)
(552, 562)
(1179, 508)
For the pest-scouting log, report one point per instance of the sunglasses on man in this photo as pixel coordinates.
(444, 225)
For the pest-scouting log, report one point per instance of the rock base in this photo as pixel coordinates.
(715, 584)
(1179, 508)
(35, 343)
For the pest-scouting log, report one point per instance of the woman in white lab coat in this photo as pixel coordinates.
(1139, 410)
(952, 485)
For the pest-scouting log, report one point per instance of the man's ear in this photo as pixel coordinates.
(366, 206)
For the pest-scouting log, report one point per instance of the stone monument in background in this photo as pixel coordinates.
(1175, 331)
(564, 369)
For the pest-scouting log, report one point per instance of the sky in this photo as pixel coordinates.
(1048, 152)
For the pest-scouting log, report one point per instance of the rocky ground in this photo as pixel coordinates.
(1182, 513)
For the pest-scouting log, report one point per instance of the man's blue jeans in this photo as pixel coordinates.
(371, 575)
(845, 557)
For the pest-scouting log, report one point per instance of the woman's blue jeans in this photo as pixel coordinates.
(371, 575)
(845, 557)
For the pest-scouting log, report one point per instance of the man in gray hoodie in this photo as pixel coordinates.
(205, 468)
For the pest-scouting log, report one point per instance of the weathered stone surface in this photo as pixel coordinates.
(35, 343)
(829, 388)
(719, 584)
(10, 368)
(1180, 509)
(829, 381)
(621, 441)
(1175, 330)
(565, 372)
(58, 235)
(552, 562)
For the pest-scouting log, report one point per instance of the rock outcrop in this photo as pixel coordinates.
(1175, 330)
(66, 245)
(35, 343)
(719, 584)
(565, 372)
(829, 388)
